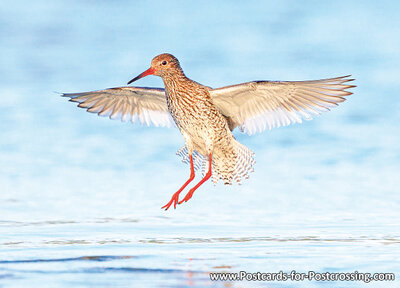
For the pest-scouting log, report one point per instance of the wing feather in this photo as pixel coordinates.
(148, 105)
(255, 106)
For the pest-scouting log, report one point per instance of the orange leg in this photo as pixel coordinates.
(206, 177)
(175, 197)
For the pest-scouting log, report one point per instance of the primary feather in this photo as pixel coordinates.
(258, 105)
(146, 105)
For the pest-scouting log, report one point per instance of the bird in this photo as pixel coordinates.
(207, 116)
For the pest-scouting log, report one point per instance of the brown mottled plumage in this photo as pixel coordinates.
(206, 116)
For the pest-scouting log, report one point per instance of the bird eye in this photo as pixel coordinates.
(164, 62)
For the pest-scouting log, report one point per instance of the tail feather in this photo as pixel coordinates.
(198, 159)
(231, 165)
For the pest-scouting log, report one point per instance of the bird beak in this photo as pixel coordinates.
(149, 71)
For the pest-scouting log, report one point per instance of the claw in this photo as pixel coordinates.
(187, 197)
(174, 200)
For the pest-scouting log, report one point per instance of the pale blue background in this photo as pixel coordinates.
(324, 196)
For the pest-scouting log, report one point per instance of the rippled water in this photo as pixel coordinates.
(81, 195)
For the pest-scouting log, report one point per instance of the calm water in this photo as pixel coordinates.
(81, 195)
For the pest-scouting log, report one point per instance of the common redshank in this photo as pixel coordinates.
(206, 117)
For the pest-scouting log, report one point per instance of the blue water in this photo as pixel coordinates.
(81, 195)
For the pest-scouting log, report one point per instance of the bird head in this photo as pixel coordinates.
(161, 65)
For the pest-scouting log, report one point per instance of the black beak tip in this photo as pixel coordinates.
(149, 71)
(134, 79)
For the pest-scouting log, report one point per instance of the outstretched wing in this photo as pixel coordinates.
(255, 106)
(148, 105)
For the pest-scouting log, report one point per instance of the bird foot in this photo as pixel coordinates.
(174, 200)
(187, 197)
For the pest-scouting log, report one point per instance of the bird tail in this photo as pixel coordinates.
(198, 159)
(229, 163)
(232, 163)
